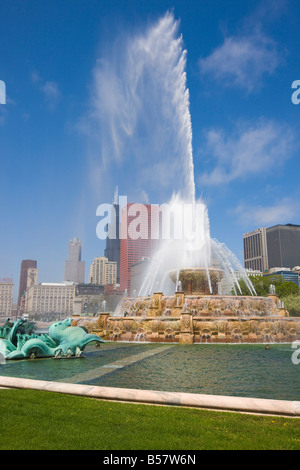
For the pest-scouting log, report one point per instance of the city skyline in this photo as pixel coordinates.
(241, 62)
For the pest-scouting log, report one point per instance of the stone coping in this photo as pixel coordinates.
(202, 318)
(199, 295)
(213, 402)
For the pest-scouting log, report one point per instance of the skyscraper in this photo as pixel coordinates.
(277, 246)
(134, 249)
(103, 271)
(112, 249)
(25, 266)
(6, 296)
(74, 267)
(255, 250)
(283, 246)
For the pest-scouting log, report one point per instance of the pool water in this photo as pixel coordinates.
(231, 369)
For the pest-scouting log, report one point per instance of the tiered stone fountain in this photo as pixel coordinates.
(196, 314)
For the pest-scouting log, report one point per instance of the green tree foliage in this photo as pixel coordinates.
(262, 285)
(292, 304)
(287, 288)
(287, 291)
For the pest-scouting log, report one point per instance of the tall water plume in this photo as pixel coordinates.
(140, 118)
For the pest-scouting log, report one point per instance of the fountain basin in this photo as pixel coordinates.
(187, 329)
(203, 281)
(196, 319)
(194, 316)
(201, 305)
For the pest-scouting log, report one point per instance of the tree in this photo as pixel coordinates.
(292, 304)
(262, 285)
(287, 288)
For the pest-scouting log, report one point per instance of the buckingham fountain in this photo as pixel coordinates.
(189, 306)
(196, 317)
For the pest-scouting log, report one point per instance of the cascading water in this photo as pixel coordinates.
(204, 252)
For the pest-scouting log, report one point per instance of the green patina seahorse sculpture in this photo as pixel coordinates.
(63, 340)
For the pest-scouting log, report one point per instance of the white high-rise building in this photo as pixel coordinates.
(74, 267)
(6, 296)
(103, 271)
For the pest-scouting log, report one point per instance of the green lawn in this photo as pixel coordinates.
(44, 420)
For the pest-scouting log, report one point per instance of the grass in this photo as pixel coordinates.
(37, 420)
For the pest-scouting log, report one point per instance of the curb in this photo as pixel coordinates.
(191, 400)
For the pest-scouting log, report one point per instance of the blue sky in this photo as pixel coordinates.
(85, 112)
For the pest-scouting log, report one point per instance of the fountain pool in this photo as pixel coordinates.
(247, 370)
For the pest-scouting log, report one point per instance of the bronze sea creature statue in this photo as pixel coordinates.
(62, 340)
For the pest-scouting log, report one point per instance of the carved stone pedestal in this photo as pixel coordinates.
(186, 328)
(186, 338)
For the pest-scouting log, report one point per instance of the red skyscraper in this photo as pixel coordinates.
(137, 239)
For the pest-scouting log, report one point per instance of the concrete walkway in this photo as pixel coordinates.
(213, 402)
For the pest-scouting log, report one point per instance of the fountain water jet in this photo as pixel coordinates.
(193, 248)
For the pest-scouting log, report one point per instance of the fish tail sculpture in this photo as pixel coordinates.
(33, 347)
(63, 340)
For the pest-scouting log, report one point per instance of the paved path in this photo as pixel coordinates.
(108, 368)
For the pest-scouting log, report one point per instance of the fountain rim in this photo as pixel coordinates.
(197, 268)
(209, 296)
